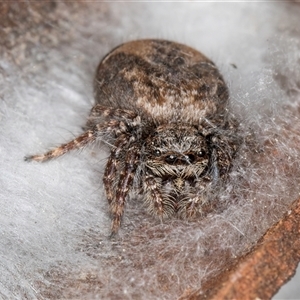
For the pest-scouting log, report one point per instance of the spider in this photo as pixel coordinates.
(162, 109)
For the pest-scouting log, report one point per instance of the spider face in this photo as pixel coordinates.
(177, 164)
(162, 108)
(177, 151)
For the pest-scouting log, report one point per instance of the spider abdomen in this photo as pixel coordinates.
(161, 80)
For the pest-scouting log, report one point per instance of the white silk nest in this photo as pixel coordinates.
(54, 216)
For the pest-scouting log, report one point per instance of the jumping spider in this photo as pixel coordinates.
(162, 108)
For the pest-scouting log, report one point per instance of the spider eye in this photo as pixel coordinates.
(157, 152)
(201, 153)
(191, 158)
(170, 159)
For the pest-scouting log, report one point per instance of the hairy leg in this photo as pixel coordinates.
(100, 113)
(111, 166)
(161, 205)
(222, 156)
(102, 121)
(124, 185)
(104, 111)
(192, 205)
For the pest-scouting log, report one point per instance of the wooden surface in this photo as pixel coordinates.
(260, 273)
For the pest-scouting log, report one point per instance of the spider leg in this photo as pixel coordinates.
(159, 204)
(104, 111)
(100, 113)
(111, 166)
(221, 161)
(112, 127)
(193, 205)
(124, 184)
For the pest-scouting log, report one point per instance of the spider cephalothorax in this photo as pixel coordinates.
(162, 108)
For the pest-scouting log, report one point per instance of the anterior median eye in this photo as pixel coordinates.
(191, 158)
(170, 159)
(157, 152)
(201, 153)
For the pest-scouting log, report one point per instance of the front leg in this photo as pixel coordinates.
(124, 184)
(193, 205)
(224, 149)
(111, 169)
(159, 202)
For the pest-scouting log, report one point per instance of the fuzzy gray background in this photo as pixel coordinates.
(54, 218)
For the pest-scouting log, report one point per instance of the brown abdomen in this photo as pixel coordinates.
(161, 81)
